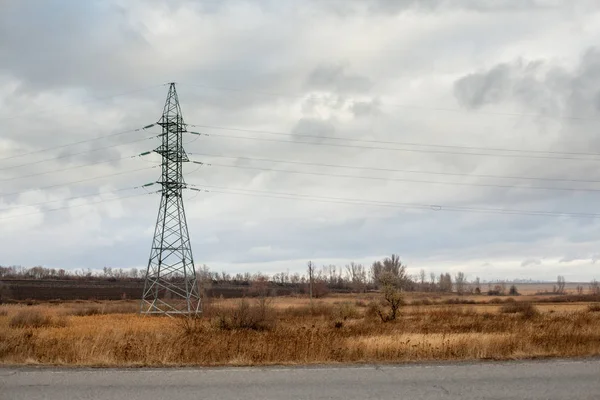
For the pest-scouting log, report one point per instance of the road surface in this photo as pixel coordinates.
(560, 379)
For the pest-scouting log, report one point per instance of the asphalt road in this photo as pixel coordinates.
(579, 379)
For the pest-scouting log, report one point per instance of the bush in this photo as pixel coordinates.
(245, 316)
(594, 307)
(35, 319)
(191, 328)
(360, 303)
(528, 310)
(346, 311)
(389, 307)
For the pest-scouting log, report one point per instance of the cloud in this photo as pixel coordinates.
(479, 89)
(315, 127)
(427, 6)
(572, 258)
(365, 108)
(367, 73)
(335, 78)
(539, 85)
(531, 262)
(68, 42)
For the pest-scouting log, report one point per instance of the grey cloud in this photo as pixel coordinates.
(544, 88)
(539, 85)
(89, 154)
(531, 261)
(334, 77)
(365, 108)
(571, 258)
(66, 43)
(313, 126)
(271, 84)
(479, 89)
(344, 7)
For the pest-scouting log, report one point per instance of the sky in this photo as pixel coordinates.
(387, 123)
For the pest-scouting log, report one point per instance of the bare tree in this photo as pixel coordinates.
(311, 275)
(445, 283)
(392, 300)
(356, 274)
(594, 287)
(390, 268)
(560, 283)
(460, 282)
(204, 280)
(477, 285)
(422, 278)
(432, 279)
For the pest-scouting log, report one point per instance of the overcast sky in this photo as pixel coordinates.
(489, 74)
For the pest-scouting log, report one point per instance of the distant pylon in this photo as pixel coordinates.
(171, 286)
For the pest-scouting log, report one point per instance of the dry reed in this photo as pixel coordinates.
(324, 333)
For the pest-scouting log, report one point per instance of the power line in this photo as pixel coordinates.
(396, 142)
(79, 153)
(402, 150)
(405, 180)
(74, 206)
(408, 106)
(75, 197)
(76, 143)
(95, 178)
(74, 167)
(430, 207)
(396, 170)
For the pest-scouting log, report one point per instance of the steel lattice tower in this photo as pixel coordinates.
(171, 286)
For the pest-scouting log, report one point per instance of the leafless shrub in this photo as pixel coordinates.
(246, 316)
(360, 303)
(346, 311)
(191, 328)
(389, 306)
(526, 309)
(594, 307)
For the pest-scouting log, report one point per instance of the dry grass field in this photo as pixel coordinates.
(339, 329)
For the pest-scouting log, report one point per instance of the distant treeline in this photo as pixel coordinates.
(353, 277)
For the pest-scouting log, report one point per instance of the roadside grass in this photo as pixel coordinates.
(251, 332)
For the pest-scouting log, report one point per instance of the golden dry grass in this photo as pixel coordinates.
(334, 330)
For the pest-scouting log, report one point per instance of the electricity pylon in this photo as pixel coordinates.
(171, 286)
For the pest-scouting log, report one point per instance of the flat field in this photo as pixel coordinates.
(288, 330)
